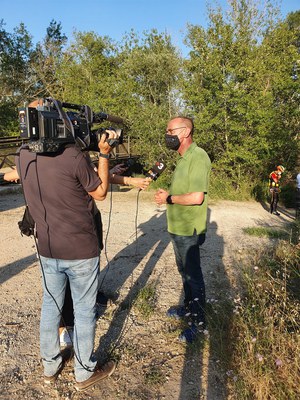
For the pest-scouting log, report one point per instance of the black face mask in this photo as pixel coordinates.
(172, 142)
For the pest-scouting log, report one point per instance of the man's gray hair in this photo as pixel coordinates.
(188, 120)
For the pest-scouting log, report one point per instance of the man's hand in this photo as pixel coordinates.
(103, 145)
(161, 197)
(141, 183)
(118, 169)
(103, 165)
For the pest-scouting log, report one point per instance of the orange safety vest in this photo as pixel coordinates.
(273, 180)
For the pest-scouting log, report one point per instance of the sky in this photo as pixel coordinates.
(113, 18)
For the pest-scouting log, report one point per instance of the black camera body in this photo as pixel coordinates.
(54, 124)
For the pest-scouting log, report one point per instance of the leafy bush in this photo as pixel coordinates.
(288, 195)
(224, 187)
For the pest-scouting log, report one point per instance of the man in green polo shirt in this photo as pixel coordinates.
(187, 215)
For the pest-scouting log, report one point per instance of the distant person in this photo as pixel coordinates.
(186, 216)
(274, 186)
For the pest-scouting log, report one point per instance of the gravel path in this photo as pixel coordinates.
(152, 364)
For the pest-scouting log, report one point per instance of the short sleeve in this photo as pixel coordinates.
(86, 175)
(199, 172)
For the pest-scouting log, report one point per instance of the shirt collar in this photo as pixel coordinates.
(189, 150)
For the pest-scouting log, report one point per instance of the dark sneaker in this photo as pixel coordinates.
(276, 213)
(189, 334)
(100, 374)
(177, 312)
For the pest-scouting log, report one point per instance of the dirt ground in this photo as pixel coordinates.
(152, 364)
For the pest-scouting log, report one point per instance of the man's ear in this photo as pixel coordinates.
(188, 132)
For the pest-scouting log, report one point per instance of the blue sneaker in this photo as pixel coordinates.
(189, 334)
(177, 312)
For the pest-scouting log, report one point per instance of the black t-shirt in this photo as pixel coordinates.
(55, 187)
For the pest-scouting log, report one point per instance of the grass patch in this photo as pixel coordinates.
(271, 233)
(154, 376)
(146, 300)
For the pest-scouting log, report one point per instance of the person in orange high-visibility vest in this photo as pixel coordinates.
(274, 179)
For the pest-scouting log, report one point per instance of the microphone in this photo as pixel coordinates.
(156, 170)
(109, 117)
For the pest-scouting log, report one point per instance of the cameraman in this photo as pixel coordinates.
(60, 189)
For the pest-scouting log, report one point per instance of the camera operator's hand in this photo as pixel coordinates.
(103, 144)
(103, 165)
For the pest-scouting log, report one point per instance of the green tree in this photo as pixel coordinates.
(293, 21)
(136, 80)
(46, 60)
(15, 74)
(238, 70)
(87, 72)
(279, 55)
(148, 74)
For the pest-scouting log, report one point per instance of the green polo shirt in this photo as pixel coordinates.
(191, 175)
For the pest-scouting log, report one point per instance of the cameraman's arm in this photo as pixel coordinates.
(103, 169)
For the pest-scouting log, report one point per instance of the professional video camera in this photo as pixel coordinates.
(49, 126)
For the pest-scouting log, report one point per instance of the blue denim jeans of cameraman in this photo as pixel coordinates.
(84, 281)
(187, 254)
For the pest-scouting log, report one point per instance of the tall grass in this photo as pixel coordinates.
(265, 330)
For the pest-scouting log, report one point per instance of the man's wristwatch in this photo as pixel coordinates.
(107, 156)
(169, 199)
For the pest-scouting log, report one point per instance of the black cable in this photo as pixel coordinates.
(136, 216)
(126, 328)
(106, 237)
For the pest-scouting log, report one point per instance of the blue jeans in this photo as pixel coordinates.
(84, 281)
(187, 255)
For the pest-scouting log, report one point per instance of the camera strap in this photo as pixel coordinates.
(64, 116)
